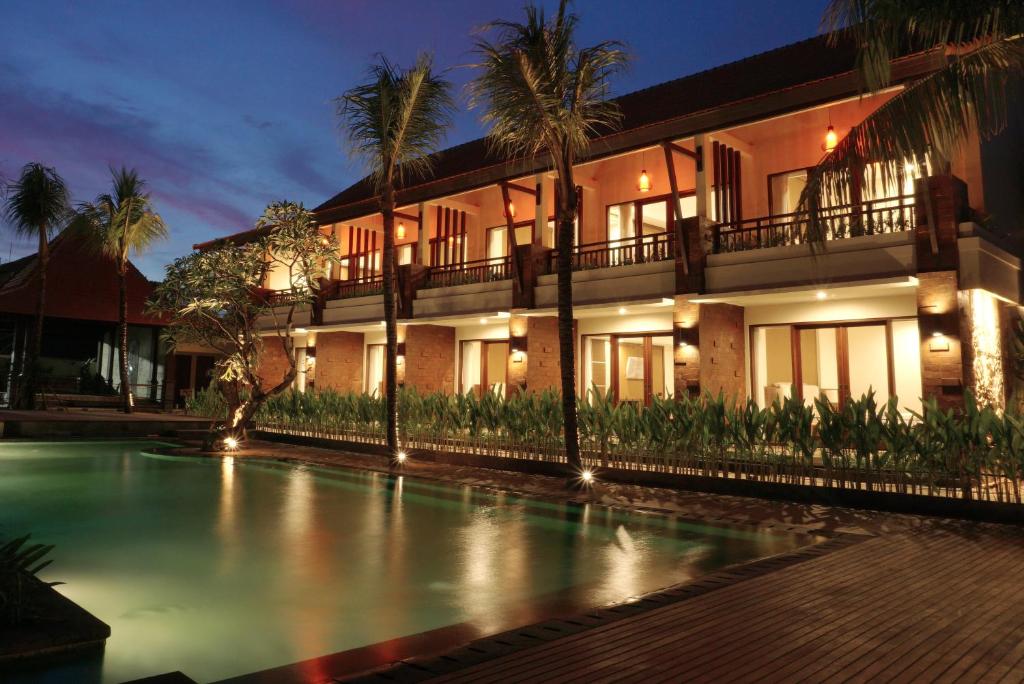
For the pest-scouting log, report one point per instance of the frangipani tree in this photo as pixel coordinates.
(982, 43)
(542, 95)
(394, 122)
(121, 223)
(216, 298)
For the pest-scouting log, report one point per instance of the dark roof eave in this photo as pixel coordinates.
(734, 113)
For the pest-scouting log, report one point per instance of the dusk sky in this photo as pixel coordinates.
(225, 106)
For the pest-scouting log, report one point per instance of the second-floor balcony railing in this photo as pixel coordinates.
(276, 298)
(874, 217)
(362, 287)
(623, 252)
(479, 271)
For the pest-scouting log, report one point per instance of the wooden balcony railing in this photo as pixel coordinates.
(875, 217)
(627, 251)
(479, 271)
(285, 297)
(362, 287)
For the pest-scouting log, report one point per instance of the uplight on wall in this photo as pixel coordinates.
(511, 209)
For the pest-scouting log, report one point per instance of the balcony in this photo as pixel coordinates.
(644, 249)
(872, 239)
(469, 287)
(878, 217)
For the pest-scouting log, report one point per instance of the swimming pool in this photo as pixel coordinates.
(218, 568)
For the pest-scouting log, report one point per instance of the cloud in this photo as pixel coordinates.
(258, 124)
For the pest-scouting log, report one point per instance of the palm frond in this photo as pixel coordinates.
(538, 91)
(397, 119)
(881, 27)
(38, 200)
(124, 221)
(927, 121)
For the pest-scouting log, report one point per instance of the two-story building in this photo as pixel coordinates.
(693, 270)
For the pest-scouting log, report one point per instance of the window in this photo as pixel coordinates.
(654, 216)
(375, 354)
(403, 254)
(484, 366)
(784, 191)
(631, 367)
(834, 362)
(497, 239)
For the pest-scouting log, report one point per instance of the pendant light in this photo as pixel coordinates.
(643, 184)
(400, 233)
(831, 138)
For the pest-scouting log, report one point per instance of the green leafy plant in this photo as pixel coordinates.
(20, 564)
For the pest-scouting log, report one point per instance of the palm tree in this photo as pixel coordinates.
(38, 205)
(394, 121)
(542, 95)
(931, 117)
(122, 223)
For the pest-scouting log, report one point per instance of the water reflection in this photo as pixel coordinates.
(219, 569)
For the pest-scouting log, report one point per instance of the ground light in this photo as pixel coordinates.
(402, 456)
(230, 443)
(587, 475)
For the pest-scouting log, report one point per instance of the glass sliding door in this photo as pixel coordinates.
(483, 366)
(631, 367)
(375, 369)
(836, 362)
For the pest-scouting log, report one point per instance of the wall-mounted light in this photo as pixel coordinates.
(400, 232)
(685, 338)
(820, 295)
(622, 311)
(511, 209)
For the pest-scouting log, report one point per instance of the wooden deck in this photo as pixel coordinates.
(942, 604)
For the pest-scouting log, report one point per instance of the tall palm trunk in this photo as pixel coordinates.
(566, 350)
(390, 322)
(30, 371)
(122, 341)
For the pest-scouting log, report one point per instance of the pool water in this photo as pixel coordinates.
(218, 568)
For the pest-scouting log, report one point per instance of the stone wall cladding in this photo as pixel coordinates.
(942, 358)
(722, 350)
(273, 362)
(543, 369)
(339, 361)
(430, 358)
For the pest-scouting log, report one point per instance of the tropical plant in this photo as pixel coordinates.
(37, 205)
(395, 121)
(216, 297)
(976, 453)
(541, 94)
(983, 47)
(20, 563)
(122, 223)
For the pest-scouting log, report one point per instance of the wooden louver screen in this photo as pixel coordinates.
(449, 247)
(362, 253)
(727, 180)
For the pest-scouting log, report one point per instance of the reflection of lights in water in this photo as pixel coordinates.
(298, 505)
(227, 528)
(494, 567)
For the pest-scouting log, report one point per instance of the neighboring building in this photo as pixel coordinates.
(79, 360)
(910, 295)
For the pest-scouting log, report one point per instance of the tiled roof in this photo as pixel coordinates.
(786, 67)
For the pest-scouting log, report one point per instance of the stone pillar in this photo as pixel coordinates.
(940, 205)
(274, 363)
(430, 358)
(339, 361)
(686, 343)
(543, 370)
(518, 359)
(940, 325)
(722, 350)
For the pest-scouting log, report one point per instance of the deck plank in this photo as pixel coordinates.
(939, 607)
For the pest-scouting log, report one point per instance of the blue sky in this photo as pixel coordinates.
(224, 106)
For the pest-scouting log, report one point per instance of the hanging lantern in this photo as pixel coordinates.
(644, 183)
(831, 139)
(400, 233)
